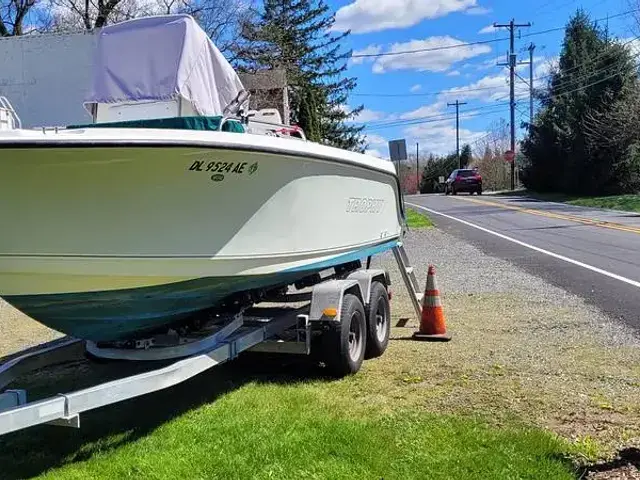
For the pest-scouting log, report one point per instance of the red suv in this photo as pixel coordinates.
(463, 180)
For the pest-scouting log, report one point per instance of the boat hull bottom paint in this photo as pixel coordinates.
(127, 313)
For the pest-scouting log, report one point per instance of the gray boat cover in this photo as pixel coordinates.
(161, 58)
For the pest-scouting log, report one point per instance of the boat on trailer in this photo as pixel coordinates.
(179, 227)
(176, 203)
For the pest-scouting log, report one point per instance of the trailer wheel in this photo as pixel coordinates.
(378, 321)
(345, 343)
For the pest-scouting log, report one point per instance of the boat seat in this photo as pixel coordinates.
(174, 123)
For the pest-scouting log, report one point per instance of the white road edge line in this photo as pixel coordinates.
(532, 247)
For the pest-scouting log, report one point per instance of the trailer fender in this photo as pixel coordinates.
(366, 278)
(327, 297)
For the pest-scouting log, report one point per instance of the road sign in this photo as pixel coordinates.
(398, 150)
(441, 179)
(509, 156)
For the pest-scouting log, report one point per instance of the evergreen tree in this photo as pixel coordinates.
(465, 155)
(436, 167)
(295, 35)
(593, 77)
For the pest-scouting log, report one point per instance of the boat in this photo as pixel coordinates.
(176, 199)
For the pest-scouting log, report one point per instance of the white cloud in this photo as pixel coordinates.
(489, 89)
(374, 152)
(424, 111)
(370, 50)
(440, 138)
(477, 11)
(633, 44)
(542, 70)
(378, 146)
(362, 16)
(453, 73)
(487, 64)
(367, 115)
(488, 29)
(438, 134)
(375, 140)
(439, 60)
(416, 88)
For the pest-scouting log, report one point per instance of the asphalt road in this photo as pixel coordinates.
(589, 252)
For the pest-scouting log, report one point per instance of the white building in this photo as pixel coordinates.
(45, 77)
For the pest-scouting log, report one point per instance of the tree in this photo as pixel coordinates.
(77, 15)
(13, 15)
(565, 147)
(220, 19)
(295, 35)
(465, 155)
(436, 167)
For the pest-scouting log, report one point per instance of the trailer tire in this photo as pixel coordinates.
(378, 321)
(345, 342)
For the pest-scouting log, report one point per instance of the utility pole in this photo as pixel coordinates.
(457, 105)
(531, 48)
(512, 74)
(417, 167)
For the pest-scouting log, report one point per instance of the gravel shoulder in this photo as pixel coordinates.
(522, 352)
(18, 331)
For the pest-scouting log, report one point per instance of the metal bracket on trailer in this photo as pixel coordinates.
(301, 345)
(166, 353)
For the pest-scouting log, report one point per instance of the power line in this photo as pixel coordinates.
(480, 42)
(473, 112)
(568, 84)
(438, 118)
(555, 95)
(425, 94)
(589, 61)
(462, 90)
(400, 122)
(427, 49)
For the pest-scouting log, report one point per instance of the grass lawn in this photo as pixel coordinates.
(629, 203)
(417, 220)
(281, 430)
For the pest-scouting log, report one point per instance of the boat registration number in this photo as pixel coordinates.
(239, 168)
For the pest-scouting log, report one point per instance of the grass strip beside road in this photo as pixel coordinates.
(417, 220)
(293, 431)
(626, 203)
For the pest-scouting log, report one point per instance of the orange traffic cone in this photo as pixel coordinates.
(432, 323)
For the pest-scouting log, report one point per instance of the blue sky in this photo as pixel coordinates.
(400, 25)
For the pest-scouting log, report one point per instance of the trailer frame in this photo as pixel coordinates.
(287, 330)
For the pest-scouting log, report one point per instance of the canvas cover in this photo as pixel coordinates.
(160, 58)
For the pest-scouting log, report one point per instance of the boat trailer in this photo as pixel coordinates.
(346, 318)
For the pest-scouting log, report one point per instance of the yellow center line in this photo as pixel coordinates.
(559, 216)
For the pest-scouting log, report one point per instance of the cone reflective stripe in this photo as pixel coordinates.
(432, 322)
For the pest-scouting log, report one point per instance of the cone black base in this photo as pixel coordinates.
(443, 337)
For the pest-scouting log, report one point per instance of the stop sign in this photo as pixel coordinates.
(509, 155)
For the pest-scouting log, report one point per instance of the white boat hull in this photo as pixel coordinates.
(94, 216)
